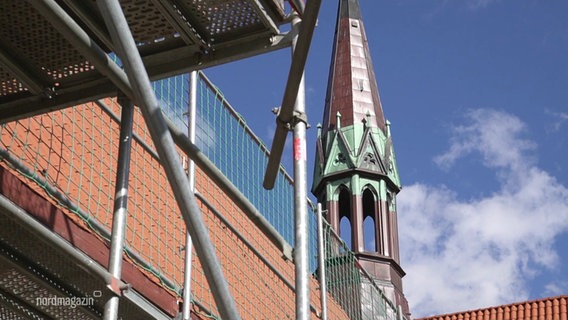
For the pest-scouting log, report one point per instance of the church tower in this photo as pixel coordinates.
(355, 174)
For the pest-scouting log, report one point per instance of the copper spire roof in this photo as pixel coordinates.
(352, 88)
(553, 308)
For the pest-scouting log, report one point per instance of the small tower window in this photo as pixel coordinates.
(345, 231)
(369, 223)
(369, 234)
(344, 204)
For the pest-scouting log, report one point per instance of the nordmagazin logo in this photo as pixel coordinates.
(71, 302)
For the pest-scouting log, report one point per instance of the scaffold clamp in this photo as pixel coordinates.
(115, 286)
(297, 117)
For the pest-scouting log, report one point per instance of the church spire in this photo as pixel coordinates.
(355, 173)
(352, 88)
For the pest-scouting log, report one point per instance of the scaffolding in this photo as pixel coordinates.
(70, 164)
(67, 156)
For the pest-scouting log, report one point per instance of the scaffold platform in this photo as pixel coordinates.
(42, 69)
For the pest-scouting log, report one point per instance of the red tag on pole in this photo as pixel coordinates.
(299, 149)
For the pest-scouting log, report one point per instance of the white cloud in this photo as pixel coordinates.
(560, 119)
(476, 4)
(466, 254)
(555, 289)
(493, 134)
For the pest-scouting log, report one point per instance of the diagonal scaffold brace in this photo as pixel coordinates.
(142, 90)
(135, 83)
(286, 114)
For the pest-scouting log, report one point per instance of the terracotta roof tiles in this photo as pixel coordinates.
(554, 308)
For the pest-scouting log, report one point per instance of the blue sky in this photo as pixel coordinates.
(477, 94)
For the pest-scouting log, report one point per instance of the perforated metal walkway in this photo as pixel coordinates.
(43, 276)
(41, 69)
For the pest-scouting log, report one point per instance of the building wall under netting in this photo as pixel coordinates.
(73, 153)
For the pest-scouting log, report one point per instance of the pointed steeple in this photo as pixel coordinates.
(355, 173)
(352, 87)
(354, 134)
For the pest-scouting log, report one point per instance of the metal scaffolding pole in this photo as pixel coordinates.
(321, 264)
(76, 256)
(301, 44)
(300, 198)
(298, 5)
(120, 201)
(192, 112)
(146, 99)
(139, 88)
(70, 205)
(210, 170)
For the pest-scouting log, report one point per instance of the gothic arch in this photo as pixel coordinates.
(371, 220)
(343, 201)
(344, 214)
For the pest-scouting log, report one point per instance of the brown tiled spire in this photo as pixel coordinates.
(352, 89)
(355, 174)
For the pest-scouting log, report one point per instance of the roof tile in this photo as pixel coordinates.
(554, 308)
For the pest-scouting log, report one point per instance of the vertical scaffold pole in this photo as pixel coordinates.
(400, 314)
(192, 113)
(120, 201)
(300, 198)
(146, 99)
(321, 264)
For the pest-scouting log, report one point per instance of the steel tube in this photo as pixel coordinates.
(301, 229)
(128, 52)
(248, 244)
(321, 264)
(295, 76)
(51, 284)
(298, 5)
(192, 113)
(209, 168)
(75, 256)
(83, 43)
(233, 192)
(73, 207)
(244, 240)
(54, 240)
(120, 200)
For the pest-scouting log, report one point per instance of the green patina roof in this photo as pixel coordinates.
(359, 149)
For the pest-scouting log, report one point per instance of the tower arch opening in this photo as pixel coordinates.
(345, 231)
(370, 219)
(345, 223)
